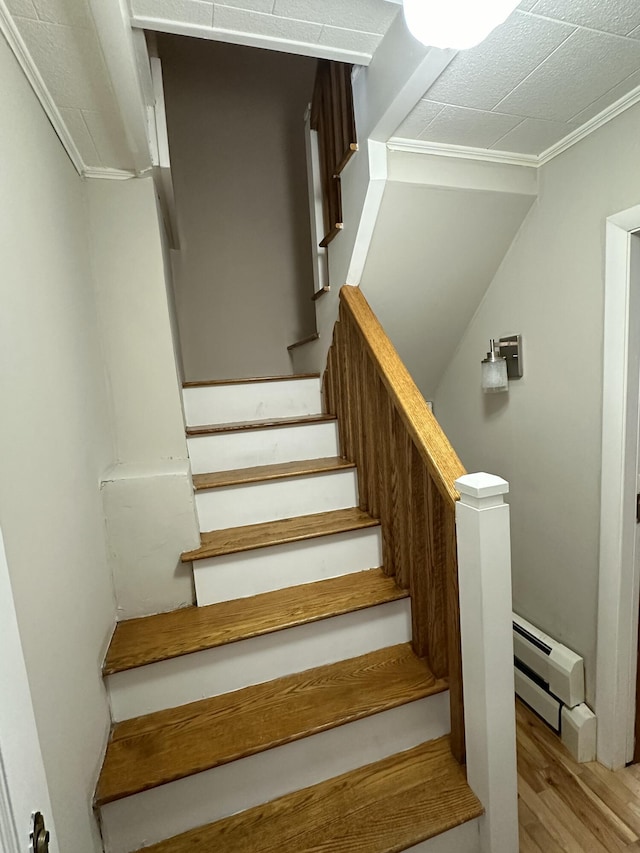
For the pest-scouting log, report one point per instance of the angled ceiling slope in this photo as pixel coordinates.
(439, 239)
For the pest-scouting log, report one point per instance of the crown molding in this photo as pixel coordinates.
(612, 111)
(21, 53)
(462, 152)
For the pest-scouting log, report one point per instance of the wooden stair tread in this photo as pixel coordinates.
(147, 640)
(158, 748)
(269, 423)
(232, 540)
(205, 383)
(264, 473)
(384, 807)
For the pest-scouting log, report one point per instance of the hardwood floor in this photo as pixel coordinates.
(565, 806)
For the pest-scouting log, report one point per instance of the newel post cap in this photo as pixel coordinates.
(481, 486)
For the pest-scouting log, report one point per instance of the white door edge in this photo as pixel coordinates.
(619, 573)
(23, 784)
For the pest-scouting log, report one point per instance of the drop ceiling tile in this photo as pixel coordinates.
(481, 77)
(611, 97)
(81, 136)
(226, 18)
(108, 136)
(475, 128)
(583, 69)
(419, 119)
(195, 12)
(71, 62)
(619, 17)
(22, 8)
(265, 6)
(369, 16)
(350, 40)
(533, 136)
(71, 13)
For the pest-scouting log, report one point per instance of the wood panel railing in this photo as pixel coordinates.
(333, 118)
(406, 474)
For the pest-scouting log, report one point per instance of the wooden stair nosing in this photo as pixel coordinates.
(384, 807)
(268, 423)
(233, 540)
(165, 746)
(206, 383)
(151, 639)
(268, 473)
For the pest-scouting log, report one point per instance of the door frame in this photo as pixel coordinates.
(618, 594)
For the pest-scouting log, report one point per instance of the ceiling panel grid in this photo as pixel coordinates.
(550, 68)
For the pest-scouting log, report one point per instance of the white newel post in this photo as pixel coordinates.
(484, 567)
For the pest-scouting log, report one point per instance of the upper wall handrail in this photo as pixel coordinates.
(434, 447)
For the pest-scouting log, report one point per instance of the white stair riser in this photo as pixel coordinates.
(170, 683)
(251, 401)
(462, 839)
(279, 566)
(154, 815)
(246, 448)
(234, 506)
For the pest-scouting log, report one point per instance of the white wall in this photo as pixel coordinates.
(544, 437)
(148, 497)
(129, 270)
(244, 271)
(55, 443)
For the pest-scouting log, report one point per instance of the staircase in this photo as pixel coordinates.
(287, 711)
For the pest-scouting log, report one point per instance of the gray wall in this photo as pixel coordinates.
(544, 437)
(236, 135)
(434, 252)
(55, 444)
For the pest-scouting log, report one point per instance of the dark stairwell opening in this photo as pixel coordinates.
(243, 275)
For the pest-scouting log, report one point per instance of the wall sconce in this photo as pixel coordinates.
(503, 362)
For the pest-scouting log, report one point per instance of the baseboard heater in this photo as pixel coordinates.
(549, 678)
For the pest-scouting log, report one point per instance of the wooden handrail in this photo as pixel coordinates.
(427, 434)
(406, 474)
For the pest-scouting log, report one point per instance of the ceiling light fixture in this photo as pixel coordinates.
(458, 24)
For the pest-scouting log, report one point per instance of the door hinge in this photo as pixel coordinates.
(39, 836)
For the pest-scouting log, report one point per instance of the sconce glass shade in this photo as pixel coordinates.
(494, 373)
(494, 376)
(458, 24)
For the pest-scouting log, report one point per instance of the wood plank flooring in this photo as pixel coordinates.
(232, 540)
(565, 807)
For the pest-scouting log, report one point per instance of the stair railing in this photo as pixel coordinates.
(406, 473)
